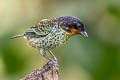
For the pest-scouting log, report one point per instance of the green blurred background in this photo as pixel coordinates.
(95, 58)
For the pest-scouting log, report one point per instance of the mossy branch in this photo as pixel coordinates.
(47, 72)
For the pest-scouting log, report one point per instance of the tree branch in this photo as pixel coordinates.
(47, 72)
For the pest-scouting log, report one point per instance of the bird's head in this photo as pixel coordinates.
(72, 26)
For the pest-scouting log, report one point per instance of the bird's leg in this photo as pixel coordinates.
(54, 61)
(44, 54)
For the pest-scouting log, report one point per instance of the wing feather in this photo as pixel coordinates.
(43, 28)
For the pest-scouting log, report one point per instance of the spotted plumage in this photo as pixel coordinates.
(54, 37)
(51, 33)
(46, 35)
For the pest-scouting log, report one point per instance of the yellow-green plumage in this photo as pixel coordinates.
(52, 35)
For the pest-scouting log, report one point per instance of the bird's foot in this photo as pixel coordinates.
(55, 64)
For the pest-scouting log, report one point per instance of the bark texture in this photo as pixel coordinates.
(47, 72)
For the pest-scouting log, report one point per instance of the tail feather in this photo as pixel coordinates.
(17, 36)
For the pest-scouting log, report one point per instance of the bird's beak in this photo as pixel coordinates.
(84, 34)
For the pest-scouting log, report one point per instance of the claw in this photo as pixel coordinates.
(54, 60)
(55, 64)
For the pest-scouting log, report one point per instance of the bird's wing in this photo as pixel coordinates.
(43, 28)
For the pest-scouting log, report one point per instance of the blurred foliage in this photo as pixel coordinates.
(114, 10)
(95, 58)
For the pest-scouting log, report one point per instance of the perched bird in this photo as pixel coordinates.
(51, 33)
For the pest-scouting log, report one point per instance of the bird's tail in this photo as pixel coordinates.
(17, 36)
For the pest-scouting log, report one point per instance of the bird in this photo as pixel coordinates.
(52, 33)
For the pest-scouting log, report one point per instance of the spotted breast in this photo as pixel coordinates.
(51, 36)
